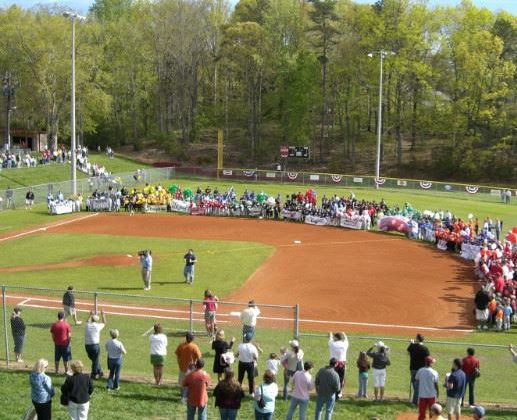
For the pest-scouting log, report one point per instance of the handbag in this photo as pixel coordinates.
(63, 399)
(477, 372)
(261, 403)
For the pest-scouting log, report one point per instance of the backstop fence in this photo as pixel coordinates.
(135, 315)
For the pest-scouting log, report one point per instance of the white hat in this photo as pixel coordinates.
(294, 343)
(95, 318)
(379, 344)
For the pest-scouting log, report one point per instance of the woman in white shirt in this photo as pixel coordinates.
(268, 392)
(338, 347)
(158, 341)
(294, 361)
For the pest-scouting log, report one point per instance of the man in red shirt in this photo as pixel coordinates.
(470, 366)
(197, 383)
(61, 334)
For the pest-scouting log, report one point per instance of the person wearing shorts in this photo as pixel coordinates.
(210, 307)
(69, 305)
(481, 301)
(455, 384)
(61, 334)
(158, 342)
(29, 199)
(380, 361)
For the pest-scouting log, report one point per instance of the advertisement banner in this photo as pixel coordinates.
(270, 175)
(291, 214)
(317, 220)
(401, 183)
(354, 222)
(314, 177)
(358, 180)
(180, 206)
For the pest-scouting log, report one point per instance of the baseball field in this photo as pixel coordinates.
(369, 284)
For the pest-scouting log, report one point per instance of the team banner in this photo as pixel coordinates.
(442, 244)
(336, 178)
(317, 220)
(291, 214)
(353, 222)
(292, 175)
(180, 206)
(426, 185)
(469, 251)
(99, 204)
(394, 224)
(61, 208)
(254, 211)
(197, 210)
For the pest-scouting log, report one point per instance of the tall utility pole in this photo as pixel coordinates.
(73, 157)
(382, 54)
(9, 93)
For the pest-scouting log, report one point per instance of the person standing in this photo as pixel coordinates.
(197, 383)
(158, 342)
(247, 354)
(294, 361)
(455, 385)
(188, 271)
(115, 350)
(427, 379)
(61, 335)
(481, 300)
(327, 384)
(379, 364)
(249, 319)
(42, 390)
(267, 393)
(69, 304)
(302, 385)
(338, 347)
(228, 394)
(187, 353)
(29, 199)
(78, 387)
(18, 331)
(146, 263)
(471, 368)
(417, 351)
(209, 308)
(9, 201)
(92, 339)
(221, 347)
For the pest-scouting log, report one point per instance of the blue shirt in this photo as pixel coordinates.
(458, 380)
(269, 392)
(42, 390)
(147, 262)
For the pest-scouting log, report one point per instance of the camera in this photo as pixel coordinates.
(144, 252)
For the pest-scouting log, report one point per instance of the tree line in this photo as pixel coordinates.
(277, 72)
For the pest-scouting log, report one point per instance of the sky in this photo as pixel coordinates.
(83, 5)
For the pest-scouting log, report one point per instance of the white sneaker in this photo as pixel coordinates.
(78, 322)
(183, 401)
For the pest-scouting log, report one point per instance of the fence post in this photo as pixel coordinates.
(95, 302)
(191, 319)
(6, 337)
(296, 321)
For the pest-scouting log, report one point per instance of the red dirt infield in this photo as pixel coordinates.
(333, 274)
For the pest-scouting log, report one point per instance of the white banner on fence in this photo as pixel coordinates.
(99, 204)
(442, 245)
(227, 172)
(355, 222)
(401, 183)
(314, 177)
(358, 180)
(61, 208)
(291, 214)
(180, 206)
(317, 220)
(495, 192)
(270, 175)
(469, 251)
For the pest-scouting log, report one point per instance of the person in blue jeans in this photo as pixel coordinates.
(228, 395)
(302, 384)
(327, 385)
(115, 350)
(268, 391)
(188, 271)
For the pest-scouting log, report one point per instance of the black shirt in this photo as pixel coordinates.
(190, 259)
(417, 354)
(17, 325)
(481, 300)
(69, 299)
(78, 387)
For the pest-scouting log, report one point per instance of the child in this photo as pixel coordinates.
(499, 317)
(184, 390)
(363, 364)
(273, 363)
(507, 315)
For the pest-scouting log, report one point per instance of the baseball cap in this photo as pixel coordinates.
(379, 344)
(480, 411)
(294, 343)
(429, 360)
(95, 318)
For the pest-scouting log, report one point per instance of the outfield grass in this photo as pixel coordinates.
(57, 172)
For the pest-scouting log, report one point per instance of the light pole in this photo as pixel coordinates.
(382, 54)
(73, 158)
(9, 92)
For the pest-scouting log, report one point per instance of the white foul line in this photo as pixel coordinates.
(42, 229)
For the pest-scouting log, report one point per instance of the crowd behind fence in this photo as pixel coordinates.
(135, 315)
